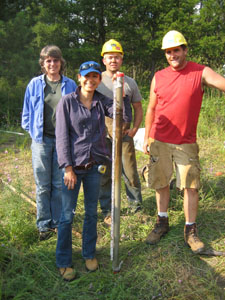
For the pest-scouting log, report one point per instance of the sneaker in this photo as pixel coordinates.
(68, 274)
(45, 235)
(91, 264)
(161, 227)
(108, 220)
(191, 238)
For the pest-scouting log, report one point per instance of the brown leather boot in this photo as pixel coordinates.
(161, 227)
(191, 238)
(68, 274)
(91, 264)
(108, 221)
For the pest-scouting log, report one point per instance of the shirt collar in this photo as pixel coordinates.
(95, 98)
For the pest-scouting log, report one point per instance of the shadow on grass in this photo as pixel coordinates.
(168, 270)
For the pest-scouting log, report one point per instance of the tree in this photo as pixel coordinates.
(80, 28)
(208, 43)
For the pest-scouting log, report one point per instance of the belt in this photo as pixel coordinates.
(87, 166)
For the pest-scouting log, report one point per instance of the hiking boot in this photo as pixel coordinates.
(108, 220)
(191, 238)
(133, 209)
(45, 235)
(161, 227)
(68, 274)
(91, 264)
(55, 230)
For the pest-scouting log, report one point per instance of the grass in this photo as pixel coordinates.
(168, 270)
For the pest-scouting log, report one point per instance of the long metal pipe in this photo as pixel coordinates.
(117, 170)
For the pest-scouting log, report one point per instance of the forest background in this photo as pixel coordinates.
(169, 270)
(81, 27)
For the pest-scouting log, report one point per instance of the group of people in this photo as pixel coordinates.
(71, 131)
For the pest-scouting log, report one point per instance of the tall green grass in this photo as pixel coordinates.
(168, 270)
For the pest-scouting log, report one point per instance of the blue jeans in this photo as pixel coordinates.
(91, 183)
(130, 175)
(48, 183)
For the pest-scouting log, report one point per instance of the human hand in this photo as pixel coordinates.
(70, 178)
(146, 147)
(130, 132)
(116, 74)
(114, 77)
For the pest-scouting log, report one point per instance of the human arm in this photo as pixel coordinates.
(127, 111)
(132, 90)
(25, 123)
(138, 116)
(62, 133)
(213, 79)
(150, 115)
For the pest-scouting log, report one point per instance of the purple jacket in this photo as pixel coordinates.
(80, 132)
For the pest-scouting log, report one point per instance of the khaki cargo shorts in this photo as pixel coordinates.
(163, 156)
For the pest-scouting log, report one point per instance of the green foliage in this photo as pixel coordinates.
(11, 100)
(9, 8)
(19, 64)
(209, 41)
(213, 113)
(81, 27)
(16, 53)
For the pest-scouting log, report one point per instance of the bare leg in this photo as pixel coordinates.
(190, 204)
(162, 199)
(190, 211)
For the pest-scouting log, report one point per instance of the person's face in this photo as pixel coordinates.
(112, 62)
(89, 82)
(176, 57)
(52, 65)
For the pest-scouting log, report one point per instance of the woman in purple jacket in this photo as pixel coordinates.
(82, 153)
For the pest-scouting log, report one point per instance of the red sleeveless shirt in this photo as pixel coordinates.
(179, 99)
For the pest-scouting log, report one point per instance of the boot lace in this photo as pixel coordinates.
(194, 235)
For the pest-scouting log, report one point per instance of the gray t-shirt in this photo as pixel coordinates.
(130, 88)
(52, 96)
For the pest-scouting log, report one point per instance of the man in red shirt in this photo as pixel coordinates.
(170, 134)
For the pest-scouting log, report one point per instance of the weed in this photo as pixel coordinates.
(168, 270)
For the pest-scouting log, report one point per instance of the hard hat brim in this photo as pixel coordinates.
(176, 45)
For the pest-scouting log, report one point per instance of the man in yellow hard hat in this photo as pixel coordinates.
(170, 134)
(112, 53)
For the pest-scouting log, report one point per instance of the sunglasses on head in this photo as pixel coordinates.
(90, 66)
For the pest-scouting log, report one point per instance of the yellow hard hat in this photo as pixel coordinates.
(112, 46)
(172, 39)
